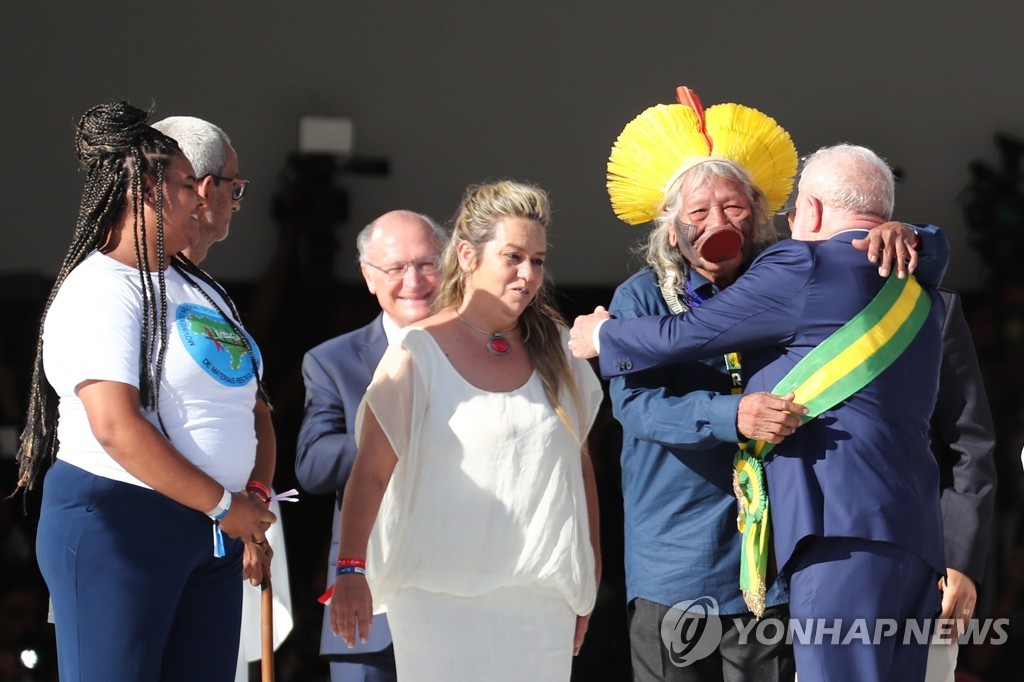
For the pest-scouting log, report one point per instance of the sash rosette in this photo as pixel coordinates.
(748, 484)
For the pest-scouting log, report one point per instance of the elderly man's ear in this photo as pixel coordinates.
(813, 213)
(203, 186)
(806, 218)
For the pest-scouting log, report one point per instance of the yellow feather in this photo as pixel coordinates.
(652, 148)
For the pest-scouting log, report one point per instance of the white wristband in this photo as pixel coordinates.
(218, 512)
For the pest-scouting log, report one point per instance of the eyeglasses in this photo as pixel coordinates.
(424, 267)
(237, 185)
(786, 212)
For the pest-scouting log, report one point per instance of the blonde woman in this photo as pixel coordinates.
(471, 513)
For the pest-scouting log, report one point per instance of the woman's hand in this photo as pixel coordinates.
(351, 608)
(582, 623)
(247, 519)
(256, 562)
(116, 420)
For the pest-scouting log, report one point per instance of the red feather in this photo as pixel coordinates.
(688, 98)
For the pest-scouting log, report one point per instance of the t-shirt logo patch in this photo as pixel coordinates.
(214, 345)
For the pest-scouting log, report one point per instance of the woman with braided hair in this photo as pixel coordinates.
(143, 392)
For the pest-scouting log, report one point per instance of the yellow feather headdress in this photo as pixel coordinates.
(665, 139)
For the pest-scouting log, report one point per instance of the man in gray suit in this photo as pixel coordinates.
(399, 255)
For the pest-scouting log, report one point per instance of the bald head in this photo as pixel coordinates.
(850, 179)
(408, 245)
(841, 188)
(380, 227)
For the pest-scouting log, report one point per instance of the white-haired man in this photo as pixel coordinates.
(209, 150)
(215, 163)
(856, 519)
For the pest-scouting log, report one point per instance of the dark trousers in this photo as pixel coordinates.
(372, 666)
(137, 594)
(738, 656)
(858, 582)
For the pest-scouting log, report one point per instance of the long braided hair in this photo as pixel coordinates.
(119, 153)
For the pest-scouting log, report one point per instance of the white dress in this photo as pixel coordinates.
(486, 510)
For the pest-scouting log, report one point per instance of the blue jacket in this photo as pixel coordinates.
(863, 469)
(678, 441)
(336, 374)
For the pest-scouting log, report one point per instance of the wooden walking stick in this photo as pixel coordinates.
(267, 629)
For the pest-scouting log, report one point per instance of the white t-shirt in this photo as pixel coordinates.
(93, 331)
(488, 489)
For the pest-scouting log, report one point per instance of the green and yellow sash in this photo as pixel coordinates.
(837, 368)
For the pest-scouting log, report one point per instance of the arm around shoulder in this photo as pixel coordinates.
(932, 255)
(756, 310)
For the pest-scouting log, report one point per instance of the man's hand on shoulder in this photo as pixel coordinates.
(898, 245)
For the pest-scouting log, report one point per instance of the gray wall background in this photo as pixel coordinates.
(459, 91)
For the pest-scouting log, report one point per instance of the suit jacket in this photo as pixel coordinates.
(963, 440)
(863, 469)
(336, 374)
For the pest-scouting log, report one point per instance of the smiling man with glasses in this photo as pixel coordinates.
(425, 267)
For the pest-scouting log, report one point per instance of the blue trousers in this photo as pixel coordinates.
(846, 579)
(137, 594)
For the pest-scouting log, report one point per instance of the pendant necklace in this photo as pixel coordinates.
(497, 344)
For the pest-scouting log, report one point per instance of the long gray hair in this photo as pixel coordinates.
(668, 263)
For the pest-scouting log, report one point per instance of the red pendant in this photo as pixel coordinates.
(499, 345)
